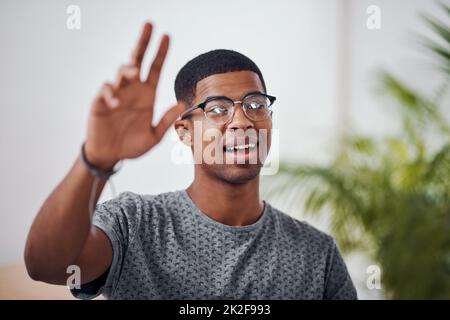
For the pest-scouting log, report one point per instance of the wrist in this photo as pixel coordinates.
(100, 169)
(91, 158)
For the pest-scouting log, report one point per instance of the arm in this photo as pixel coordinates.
(62, 235)
(119, 127)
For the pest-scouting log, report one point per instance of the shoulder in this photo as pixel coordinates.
(134, 202)
(126, 199)
(130, 212)
(301, 232)
(152, 208)
(170, 198)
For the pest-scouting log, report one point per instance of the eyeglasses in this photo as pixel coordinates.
(221, 109)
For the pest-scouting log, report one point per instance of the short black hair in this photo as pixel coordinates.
(207, 64)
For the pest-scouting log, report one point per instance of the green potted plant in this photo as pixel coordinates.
(390, 197)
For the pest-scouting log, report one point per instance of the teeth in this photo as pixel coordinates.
(242, 147)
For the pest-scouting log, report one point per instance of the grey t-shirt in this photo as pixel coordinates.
(164, 247)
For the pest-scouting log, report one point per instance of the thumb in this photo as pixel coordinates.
(168, 119)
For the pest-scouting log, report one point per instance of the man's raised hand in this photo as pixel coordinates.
(121, 119)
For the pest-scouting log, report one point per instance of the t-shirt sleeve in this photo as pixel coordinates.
(118, 219)
(338, 285)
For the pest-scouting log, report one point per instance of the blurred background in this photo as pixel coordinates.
(362, 113)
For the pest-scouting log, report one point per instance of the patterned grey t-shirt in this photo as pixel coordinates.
(164, 247)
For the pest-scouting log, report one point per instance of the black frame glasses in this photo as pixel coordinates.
(203, 104)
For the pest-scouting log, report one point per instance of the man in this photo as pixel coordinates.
(215, 240)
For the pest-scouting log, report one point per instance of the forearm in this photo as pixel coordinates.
(62, 225)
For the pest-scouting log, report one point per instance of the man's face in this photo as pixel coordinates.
(238, 166)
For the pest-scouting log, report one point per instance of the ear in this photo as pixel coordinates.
(183, 129)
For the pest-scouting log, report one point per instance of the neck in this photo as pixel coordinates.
(230, 204)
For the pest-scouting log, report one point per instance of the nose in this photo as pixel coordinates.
(240, 120)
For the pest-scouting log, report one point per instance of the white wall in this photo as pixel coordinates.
(50, 75)
(394, 48)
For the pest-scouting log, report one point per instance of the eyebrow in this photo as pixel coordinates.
(225, 97)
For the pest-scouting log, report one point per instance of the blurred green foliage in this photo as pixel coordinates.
(390, 197)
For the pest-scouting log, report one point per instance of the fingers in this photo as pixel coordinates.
(155, 69)
(126, 74)
(108, 96)
(168, 119)
(141, 46)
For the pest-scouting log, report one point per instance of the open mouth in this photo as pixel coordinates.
(247, 146)
(241, 144)
(244, 152)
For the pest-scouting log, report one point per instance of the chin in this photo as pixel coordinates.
(238, 173)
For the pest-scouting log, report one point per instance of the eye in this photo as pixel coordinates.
(217, 107)
(217, 110)
(255, 105)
